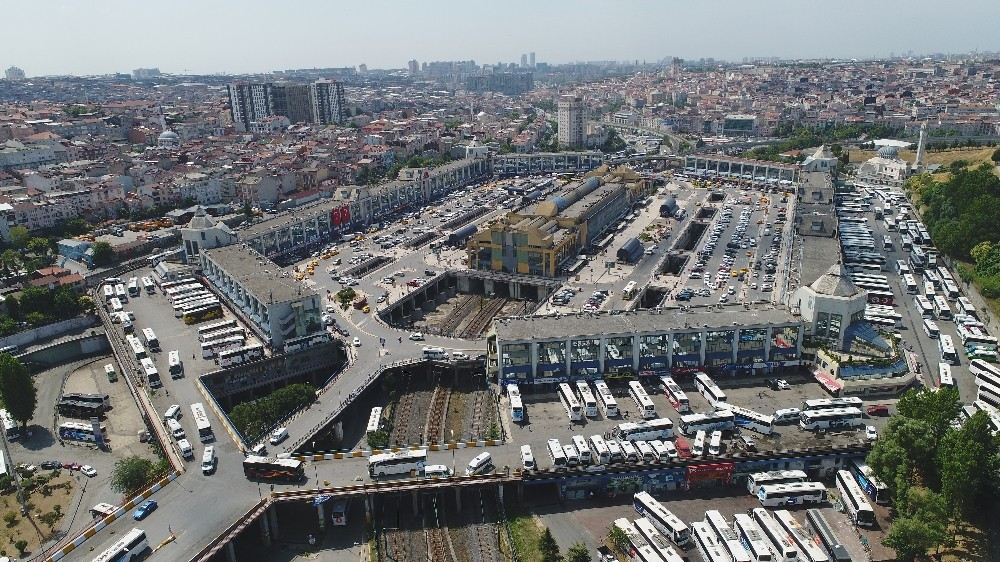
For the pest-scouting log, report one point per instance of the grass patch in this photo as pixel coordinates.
(525, 531)
(972, 544)
(974, 155)
(964, 269)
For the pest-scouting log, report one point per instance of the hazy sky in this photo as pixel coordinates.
(209, 36)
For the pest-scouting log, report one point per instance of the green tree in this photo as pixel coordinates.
(970, 466)
(74, 227)
(19, 237)
(104, 255)
(21, 545)
(86, 304)
(131, 474)
(36, 299)
(911, 537)
(996, 156)
(39, 246)
(618, 539)
(17, 389)
(11, 260)
(578, 553)
(548, 548)
(980, 251)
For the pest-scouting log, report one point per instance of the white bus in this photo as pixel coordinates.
(707, 388)
(931, 328)
(945, 379)
(780, 542)
(723, 420)
(871, 484)
(582, 449)
(149, 369)
(587, 399)
(708, 544)
(985, 373)
(662, 518)
(239, 355)
(116, 305)
(642, 400)
(221, 334)
(556, 454)
(646, 430)
(951, 289)
(675, 395)
(211, 348)
(569, 402)
(109, 292)
(887, 244)
(657, 541)
(854, 499)
(638, 549)
(902, 267)
(628, 293)
(137, 349)
(941, 308)
(79, 431)
(133, 287)
(132, 546)
(752, 538)
(120, 293)
(607, 402)
(947, 349)
(965, 306)
(749, 419)
(827, 403)
(215, 326)
(516, 405)
(715, 443)
(832, 418)
(717, 522)
(374, 421)
(599, 450)
(204, 426)
(794, 493)
(924, 306)
(807, 547)
(403, 462)
(10, 427)
(929, 291)
(175, 364)
(758, 479)
(698, 446)
(171, 284)
(148, 285)
(910, 283)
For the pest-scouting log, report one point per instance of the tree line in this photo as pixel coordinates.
(940, 474)
(255, 417)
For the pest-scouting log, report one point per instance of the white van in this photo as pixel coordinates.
(479, 465)
(787, 415)
(437, 471)
(172, 413)
(185, 447)
(698, 447)
(660, 450)
(645, 451)
(279, 435)
(527, 458)
(175, 428)
(208, 460)
(614, 451)
(629, 450)
(715, 443)
(582, 448)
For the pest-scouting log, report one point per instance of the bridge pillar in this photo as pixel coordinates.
(273, 519)
(500, 492)
(338, 431)
(368, 509)
(458, 498)
(520, 492)
(230, 552)
(416, 502)
(321, 514)
(265, 531)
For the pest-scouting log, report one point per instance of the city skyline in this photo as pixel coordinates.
(209, 38)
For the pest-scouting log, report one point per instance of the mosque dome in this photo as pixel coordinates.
(168, 138)
(888, 152)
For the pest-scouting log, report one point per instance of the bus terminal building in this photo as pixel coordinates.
(732, 340)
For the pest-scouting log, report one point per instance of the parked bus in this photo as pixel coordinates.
(606, 400)
(338, 513)
(657, 541)
(569, 402)
(80, 431)
(677, 398)
(70, 408)
(120, 293)
(109, 292)
(708, 544)
(931, 328)
(222, 334)
(951, 289)
(723, 420)
(402, 462)
(794, 493)
(945, 379)
(556, 454)
(599, 450)
(116, 305)
(208, 311)
(910, 283)
(730, 540)
(171, 284)
(854, 500)
(941, 308)
(752, 538)
(628, 293)
(985, 373)
(947, 349)
(662, 518)
(10, 428)
(582, 449)
(214, 327)
(374, 421)
(587, 399)
(871, 484)
(642, 400)
(826, 403)
(290, 470)
(698, 447)
(148, 285)
(211, 348)
(966, 307)
(132, 546)
(133, 287)
(758, 479)
(902, 268)
(204, 426)
(152, 374)
(638, 549)
(924, 306)
(239, 355)
(749, 419)
(832, 418)
(516, 406)
(827, 538)
(707, 388)
(807, 547)
(646, 430)
(175, 364)
(137, 348)
(887, 244)
(781, 543)
(102, 400)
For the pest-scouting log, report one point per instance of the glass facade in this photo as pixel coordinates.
(751, 348)
(551, 359)
(784, 343)
(618, 354)
(585, 357)
(516, 361)
(654, 352)
(719, 347)
(687, 350)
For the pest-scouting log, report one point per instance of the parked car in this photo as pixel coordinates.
(88, 470)
(356, 342)
(871, 433)
(144, 509)
(875, 410)
(51, 465)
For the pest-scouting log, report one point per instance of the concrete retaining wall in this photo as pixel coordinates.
(49, 331)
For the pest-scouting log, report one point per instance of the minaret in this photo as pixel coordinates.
(918, 165)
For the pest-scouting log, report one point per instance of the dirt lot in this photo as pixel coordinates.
(123, 421)
(48, 504)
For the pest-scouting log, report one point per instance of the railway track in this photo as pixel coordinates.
(483, 539)
(402, 413)
(453, 320)
(438, 543)
(436, 414)
(482, 318)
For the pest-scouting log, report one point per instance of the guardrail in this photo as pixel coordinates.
(212, 548)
